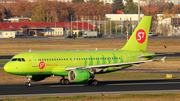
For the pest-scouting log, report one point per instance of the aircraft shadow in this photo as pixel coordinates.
(104, 83)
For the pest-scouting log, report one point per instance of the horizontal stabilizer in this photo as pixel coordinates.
(160, 54)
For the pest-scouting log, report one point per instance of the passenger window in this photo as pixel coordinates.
(23, 59)
(14, 59)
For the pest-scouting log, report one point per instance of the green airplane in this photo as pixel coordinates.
(81, 66)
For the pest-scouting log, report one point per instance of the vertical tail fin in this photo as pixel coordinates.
(139, 38)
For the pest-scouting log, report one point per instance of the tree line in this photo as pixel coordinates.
(51, 11)
(54, 11)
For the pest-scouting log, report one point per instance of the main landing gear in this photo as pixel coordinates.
(28, 84)
(64, 81)
(93, 82)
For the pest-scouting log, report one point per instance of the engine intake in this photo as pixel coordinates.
(78, 75)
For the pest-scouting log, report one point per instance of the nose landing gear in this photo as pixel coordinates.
(28, 84)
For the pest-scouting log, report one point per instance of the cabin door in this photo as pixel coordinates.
(34, 60)
(127, 57)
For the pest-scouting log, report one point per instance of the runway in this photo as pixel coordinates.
(104, 87)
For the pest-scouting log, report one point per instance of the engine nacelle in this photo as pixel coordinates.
(38, 77)
(78, 75)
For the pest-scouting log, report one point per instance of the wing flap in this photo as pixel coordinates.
(136, 63)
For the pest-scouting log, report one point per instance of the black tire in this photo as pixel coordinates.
(28, 84)
(61, 81)
(66, 81)
(90, 82)
(94, 82)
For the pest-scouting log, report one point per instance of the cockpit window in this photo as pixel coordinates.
(14, 59)
(23, 59)
(18, 59)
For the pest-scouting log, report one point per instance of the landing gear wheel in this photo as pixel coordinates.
(93, 82)
(61, 81)
(66, 81)
(90, 82)
(28, 84)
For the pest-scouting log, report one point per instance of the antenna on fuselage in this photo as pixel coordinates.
(30, 50)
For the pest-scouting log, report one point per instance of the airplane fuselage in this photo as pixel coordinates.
(55, 62)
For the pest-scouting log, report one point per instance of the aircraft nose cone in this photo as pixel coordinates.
(7, 67)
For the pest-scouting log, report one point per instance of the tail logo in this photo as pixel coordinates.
(140, 35)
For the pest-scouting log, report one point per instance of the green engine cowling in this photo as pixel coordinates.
(78, 75)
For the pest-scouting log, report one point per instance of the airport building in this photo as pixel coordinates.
(7, 33)
(43, 28)
(169, 26)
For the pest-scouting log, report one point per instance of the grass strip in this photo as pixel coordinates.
(119, 97)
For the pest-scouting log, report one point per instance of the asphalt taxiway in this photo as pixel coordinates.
(104, 87)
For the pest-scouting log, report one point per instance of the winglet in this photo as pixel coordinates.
(163, 59)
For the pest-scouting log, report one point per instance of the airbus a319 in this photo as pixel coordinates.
(81, 66)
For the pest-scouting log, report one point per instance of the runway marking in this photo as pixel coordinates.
(146, 83)
(66, 85)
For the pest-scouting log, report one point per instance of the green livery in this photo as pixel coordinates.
(80, 66)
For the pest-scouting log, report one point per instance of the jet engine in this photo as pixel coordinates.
(78, 75)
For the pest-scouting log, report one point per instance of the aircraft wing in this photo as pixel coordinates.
(113, 64)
